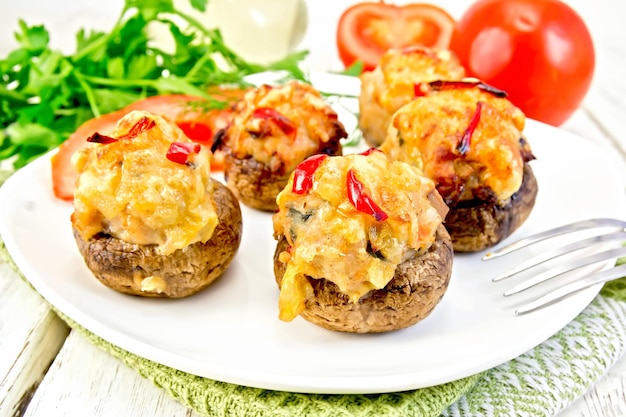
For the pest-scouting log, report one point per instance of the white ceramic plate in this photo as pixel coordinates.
(230, 332)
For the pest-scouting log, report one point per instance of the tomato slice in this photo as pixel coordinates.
(198, 124)
(63, 174)
(366, 30)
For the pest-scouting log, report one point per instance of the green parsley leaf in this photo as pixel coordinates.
(45, 95)
(354, 70)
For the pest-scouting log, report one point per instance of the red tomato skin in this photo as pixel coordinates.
(539, 51)
(358, 39)
(63, 173)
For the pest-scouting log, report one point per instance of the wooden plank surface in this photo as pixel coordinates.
(30, 338)
(86, 381)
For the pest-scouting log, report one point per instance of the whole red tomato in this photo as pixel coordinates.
(539, 51)
(366, 30)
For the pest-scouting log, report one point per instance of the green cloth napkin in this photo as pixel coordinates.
(541, 382)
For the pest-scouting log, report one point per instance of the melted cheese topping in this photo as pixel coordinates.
(391, 84)
(427, 131)
(153, 284)
(329, 238)
(130, 190)
(263, 140)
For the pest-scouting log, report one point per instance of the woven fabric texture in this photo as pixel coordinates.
(548, 378)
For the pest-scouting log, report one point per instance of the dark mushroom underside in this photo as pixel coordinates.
(416, 288)
(124, 266)
(257, 185)
(479, 225)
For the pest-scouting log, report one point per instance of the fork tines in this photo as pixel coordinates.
(557, 231)
(616, 232)
(598, 278)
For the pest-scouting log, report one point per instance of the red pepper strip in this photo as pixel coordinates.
(493, 90)
(142, 125)
(179, 151)
(439, 85)
(448, 85)
(370, 151)
(145, 123)
(103, 139)
(464, 144)
(267, 113)
(360, 200)
(418, 90)
(303, 174)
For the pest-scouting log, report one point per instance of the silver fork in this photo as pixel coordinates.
(614, 230)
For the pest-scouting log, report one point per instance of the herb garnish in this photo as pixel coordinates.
(45, 95)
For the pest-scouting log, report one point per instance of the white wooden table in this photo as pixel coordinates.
(48, 370)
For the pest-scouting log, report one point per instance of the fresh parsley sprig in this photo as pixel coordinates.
(45, 95)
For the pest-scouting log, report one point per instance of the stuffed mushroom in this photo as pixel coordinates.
(273, 129)
(399, 78)
(148, 218)
(468, 138)
(361, 247)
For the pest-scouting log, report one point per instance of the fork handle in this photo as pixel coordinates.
(588, 281)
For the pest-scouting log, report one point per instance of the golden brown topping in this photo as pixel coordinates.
(466, 139)
(399, 71)
(138, 189)
(358, 218)
(280, 126)
(401, 76)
